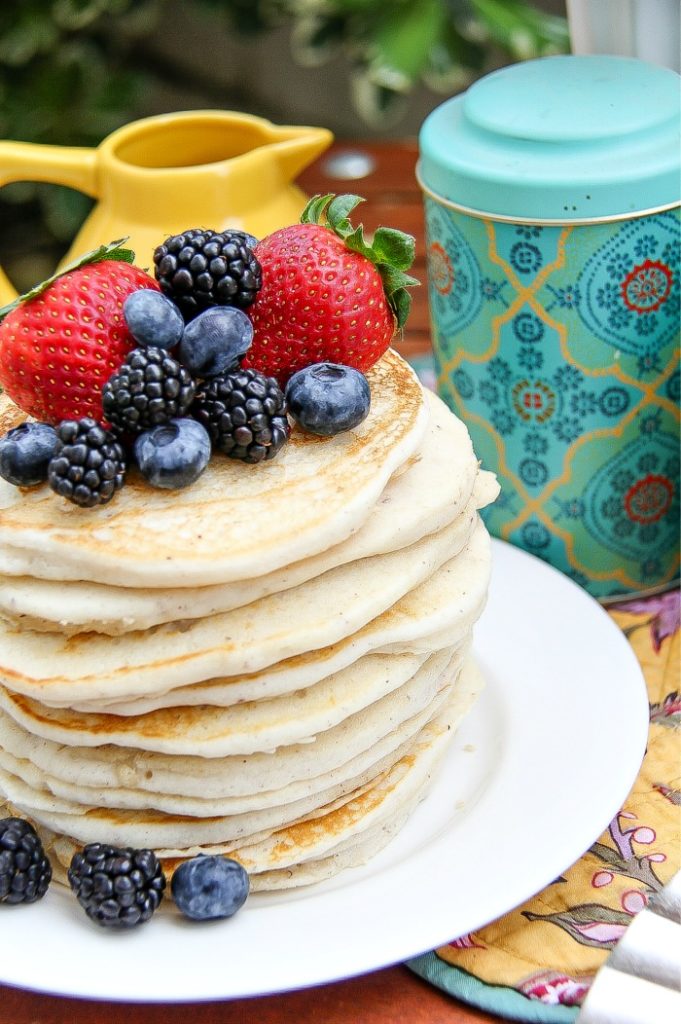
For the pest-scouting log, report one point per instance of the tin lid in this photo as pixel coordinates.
(560, 138)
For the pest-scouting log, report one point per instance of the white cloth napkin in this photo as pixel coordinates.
(640, 983)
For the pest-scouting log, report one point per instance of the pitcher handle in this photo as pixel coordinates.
(74, 166)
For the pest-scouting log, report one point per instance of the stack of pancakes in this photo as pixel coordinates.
(269, 663)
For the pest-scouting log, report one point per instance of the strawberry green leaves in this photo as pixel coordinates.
(393, 247)
(391, 251)
(112, 251)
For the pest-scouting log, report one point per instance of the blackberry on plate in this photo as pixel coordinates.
(117, 887)
(150, 388)
(88, 465)
(327, 398)
(25, 870)
(244, 413)
(202, 268)
(205, 888)
(25, 452)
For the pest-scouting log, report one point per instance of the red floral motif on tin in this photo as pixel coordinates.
(647, 286)
(649, 499)
(441, 270)
(533, 401)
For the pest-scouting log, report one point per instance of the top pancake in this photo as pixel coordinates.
(237, 521)
(440, 482)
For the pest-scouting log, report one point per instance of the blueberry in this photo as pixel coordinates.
(215, 340)
(326, 398)
(153, 319)
(209, 887)
(25, 452)
(173, 454)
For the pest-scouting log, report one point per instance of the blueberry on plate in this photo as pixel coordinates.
(215, 341)
(174, 454)
(153, 319)
(327, 398)
(25, 452)
(206, 888)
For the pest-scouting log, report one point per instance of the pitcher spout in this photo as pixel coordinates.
(294, 148)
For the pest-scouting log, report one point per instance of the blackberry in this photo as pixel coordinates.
(149, 389)
(25, 871)
(201, 268)
(244, 413)
(117, 887)
(88, 465)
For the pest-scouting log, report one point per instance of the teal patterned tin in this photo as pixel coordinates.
(551, 193)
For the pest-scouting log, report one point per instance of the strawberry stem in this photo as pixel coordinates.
(391, 251)
(113, 251)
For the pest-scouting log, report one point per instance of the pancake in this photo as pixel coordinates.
(332, 829)
(236, 521)
(209, 820)
(355, 771)
(247, 782)
(366, 846)
(253, 727)
(439, 613)
(370, 843)
(440, 483)
(245, 640)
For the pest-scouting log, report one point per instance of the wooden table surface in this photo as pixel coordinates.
(393, 995)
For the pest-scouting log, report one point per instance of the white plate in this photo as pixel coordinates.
(535, 774)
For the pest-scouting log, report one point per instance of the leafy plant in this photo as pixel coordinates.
(73, 70)
(65, 77)
(70, 69)
(391, 45)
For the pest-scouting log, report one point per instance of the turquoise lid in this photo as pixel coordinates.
(566, 138)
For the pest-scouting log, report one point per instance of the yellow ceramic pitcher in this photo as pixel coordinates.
(161, 175)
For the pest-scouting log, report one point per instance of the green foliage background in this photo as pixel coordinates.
(73, 70)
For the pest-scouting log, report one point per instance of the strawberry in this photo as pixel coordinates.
(327, 294)
(61, 341)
